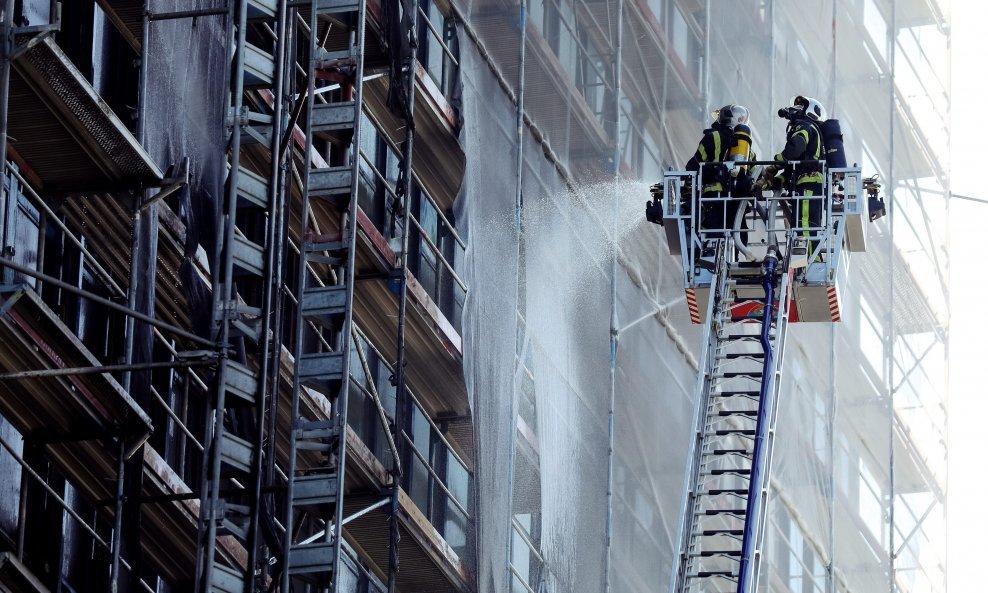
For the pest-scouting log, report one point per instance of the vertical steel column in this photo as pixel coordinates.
(947, 297)
(832, 408)
(313, 538)
(117, 519)
(519, 164)
(6, 49)
(128, 482)
(287, 56)
(237, 255)
(707, 107)
(401, 268)
(222, 271)
(771, 60)
(609, 527)
(832, 462)
(890, 343)
(22, 505)
(269, 358)
(833, 59)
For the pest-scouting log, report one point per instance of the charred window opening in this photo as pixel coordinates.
(103, 57)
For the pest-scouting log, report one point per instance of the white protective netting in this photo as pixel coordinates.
(537, 322)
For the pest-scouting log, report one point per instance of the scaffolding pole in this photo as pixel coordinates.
(400, 269)
(614, 333)
(6, 51)
(519, 204)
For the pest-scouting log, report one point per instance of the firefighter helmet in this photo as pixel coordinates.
(730, 116)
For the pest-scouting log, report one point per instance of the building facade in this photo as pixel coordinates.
(195, 219)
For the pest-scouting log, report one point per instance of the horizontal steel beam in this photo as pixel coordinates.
(186, 14)
(93, 370)
(8, 263)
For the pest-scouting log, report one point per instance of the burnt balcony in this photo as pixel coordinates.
(63, 132)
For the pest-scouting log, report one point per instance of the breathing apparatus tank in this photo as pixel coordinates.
(830, 133)
(741, 149)
(833, 140)
(742, 143)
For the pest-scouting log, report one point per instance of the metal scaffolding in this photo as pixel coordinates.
(269, 501)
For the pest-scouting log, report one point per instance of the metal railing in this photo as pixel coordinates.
(392, 192)
(793, 553)
(437, 484)
(438, 36)
(449, 60)
(698, 208)
(533, 556)
(91, 263)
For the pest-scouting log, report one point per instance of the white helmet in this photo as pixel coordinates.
(810, 107)
(730, 116)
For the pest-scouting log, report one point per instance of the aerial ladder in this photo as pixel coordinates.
(746, 292)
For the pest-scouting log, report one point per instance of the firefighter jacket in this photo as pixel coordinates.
(804, 143)
(713, 148)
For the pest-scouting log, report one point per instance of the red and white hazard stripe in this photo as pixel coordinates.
(833, 301)
(691, 304)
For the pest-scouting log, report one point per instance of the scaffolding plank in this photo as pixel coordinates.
(17, 578)
(66, 132)
(32, 337)
(128, 17)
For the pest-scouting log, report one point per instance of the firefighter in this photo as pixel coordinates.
(804, 142)
(727, 139)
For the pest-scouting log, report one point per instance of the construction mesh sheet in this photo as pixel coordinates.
(554, 268)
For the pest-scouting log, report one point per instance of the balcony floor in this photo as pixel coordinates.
(66, 133)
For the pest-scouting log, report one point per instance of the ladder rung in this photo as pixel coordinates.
(331, 244)
(737, 355)
(303, 426)
(252, 187)
(329, 260)
(256, 134)
(334, 59)
(709, 553)
(735, 431)
(310, 558)
(335, 6)
(706, 574)
(731, 452)
(226, 580)
(737, 393)
(261, 8)
(248, 256)
(720, 491)
(241, 382)
(736, 374)
(743, 319)
(247, 328)
(749, 413)
(258, 67)
(321, 371)
(325, 305)
(314, 490)
(236, 521)
(320, 429)
(715, 532)
(330, 181)
(331, 117)
(724, 472)
(235, 452)
(712, 512)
